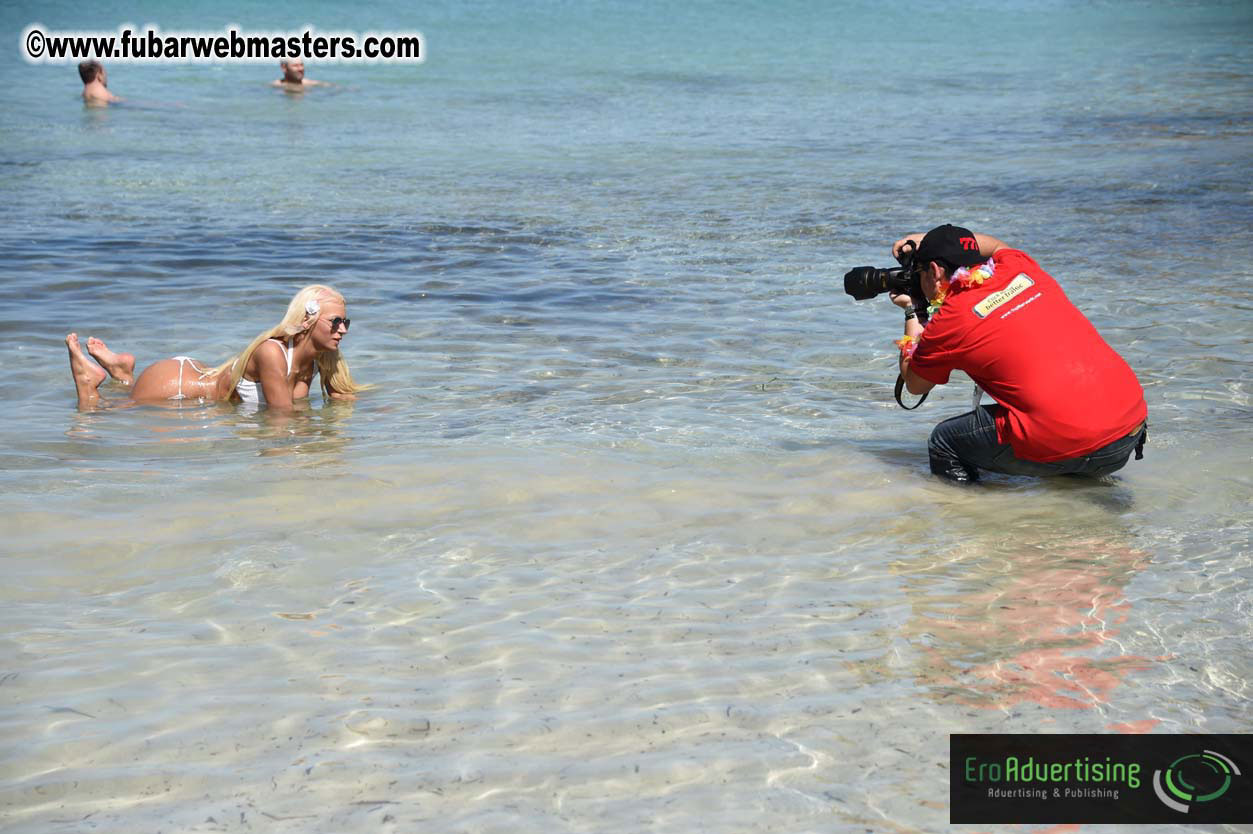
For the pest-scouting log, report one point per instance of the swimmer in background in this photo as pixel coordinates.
(275, 370)
(95, 84)
(293, 80)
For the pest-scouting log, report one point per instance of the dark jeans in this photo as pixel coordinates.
(961, 446)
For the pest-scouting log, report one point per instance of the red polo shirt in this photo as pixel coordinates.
(1065, 391)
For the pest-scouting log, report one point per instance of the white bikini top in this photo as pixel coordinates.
(250, 392)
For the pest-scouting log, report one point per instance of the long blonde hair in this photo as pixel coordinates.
(332, 368)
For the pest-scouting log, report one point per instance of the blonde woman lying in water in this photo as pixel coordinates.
(275, 370)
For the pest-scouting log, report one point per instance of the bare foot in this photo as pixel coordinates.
(87, 375)
(121, 366)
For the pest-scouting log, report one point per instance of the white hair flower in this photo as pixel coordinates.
(311, 307)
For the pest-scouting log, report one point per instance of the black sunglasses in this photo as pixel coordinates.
(337, 321)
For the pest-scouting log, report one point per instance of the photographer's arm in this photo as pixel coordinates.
(913, 383)
(988, 245)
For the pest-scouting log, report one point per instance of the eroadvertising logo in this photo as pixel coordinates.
(1210, 771)
(1099, 779)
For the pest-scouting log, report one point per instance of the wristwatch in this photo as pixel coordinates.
(910, 313)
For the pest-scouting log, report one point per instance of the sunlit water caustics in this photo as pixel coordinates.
(629, 535)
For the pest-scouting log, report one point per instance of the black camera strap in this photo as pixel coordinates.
(900, 387)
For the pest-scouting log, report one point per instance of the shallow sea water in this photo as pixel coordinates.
(630, 533)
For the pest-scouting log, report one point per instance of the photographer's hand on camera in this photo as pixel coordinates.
(899, 246)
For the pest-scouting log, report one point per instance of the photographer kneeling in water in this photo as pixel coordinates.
(1066, 402)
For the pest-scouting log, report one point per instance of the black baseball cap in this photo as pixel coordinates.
(952, 245)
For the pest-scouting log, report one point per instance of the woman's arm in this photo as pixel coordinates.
(271, 373)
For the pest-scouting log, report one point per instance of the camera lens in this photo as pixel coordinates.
(865, 282)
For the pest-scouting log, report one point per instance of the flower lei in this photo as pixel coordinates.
(962, 279)
(907, 344)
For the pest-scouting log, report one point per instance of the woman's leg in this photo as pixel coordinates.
(169, 379)
(87, 375)
(121, 366)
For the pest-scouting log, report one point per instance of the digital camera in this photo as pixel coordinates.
(864, 282)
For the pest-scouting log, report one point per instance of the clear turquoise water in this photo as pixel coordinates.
(630, 532)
